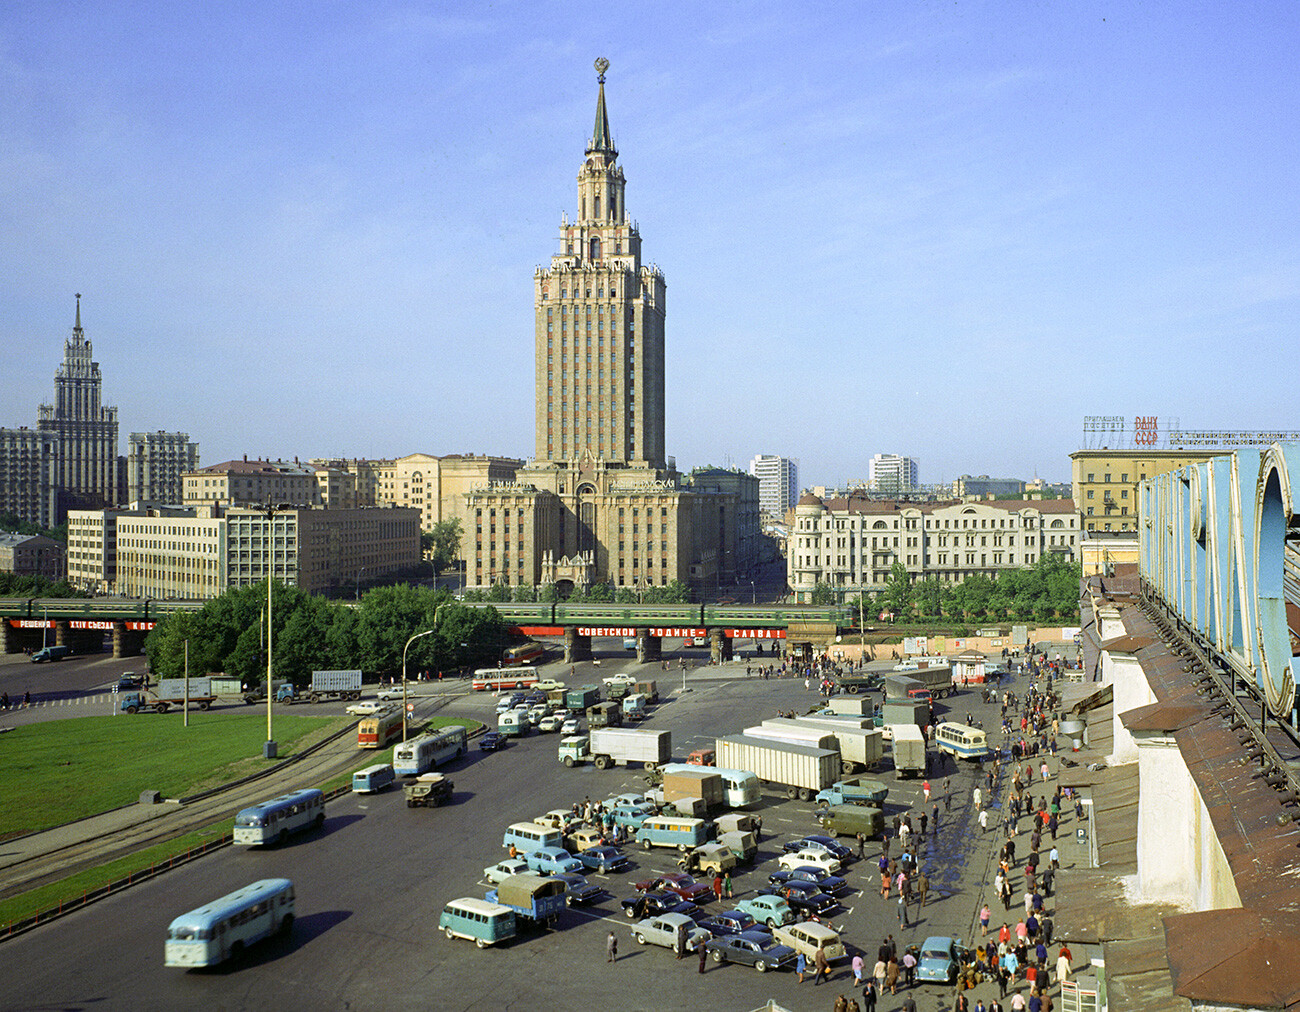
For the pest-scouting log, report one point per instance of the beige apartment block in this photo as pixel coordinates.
(31, 555)
(437, 486)
(1105, 482)
(27, 487)
(852, 543)
(156, 463)
(236, 482)
(171, 557)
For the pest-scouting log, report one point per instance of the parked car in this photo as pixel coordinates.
(504, 869)
(803, 897)
(537, 714)
(548, 685)
(770, 910)
(664, 930)
(550, 724)
(623, 677)
(940, 958)
(680, 883)
(654, 904)
(578, 891)
(534, 698)
(752, 948)
(571, 726)
(832, 884)
(813, 858)
(366, 708)
(732, 922)
(603, 859)
(631, 800)
(837, 850)
(492, 741)
(552, 861)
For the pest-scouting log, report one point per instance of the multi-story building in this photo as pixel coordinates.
(600, 503)
(1105, 482)
(156, 463)
(852, 544)
(31, 555)
(778, 483)
(83, 431)
(243, 482)
(363, 476)
(982, 486)
(890, 474)
(200, 552)
(92, 546)
(27, 487)
(437, 486)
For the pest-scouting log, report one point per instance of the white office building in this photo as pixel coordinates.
(778, 483)
(892, 475)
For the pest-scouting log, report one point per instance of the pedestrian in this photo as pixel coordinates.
(862, 846)
(902, 910)
(926, 788)
(1063, 965)
(27, 699)
(977, 796)
(726, 885)
(922, 887)
(869, 993)
(891, 975)
(984, 820)
(858, 969)
(822, 964)
(703, 954)
(611, 948)
(984, 920)
(924, 820)
(878, 972)
(800, 964)
(841, 1004)
(4, 701)
(717, 888)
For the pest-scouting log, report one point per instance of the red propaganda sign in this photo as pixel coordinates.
(756, 634)
(31, 623)
(684, 633)
(89, 624)
(605, 630)
(1146, 430)
(141, 626)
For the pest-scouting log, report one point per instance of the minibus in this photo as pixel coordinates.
(372, 778)
(477, 921)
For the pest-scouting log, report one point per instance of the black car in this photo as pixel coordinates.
(840, 852)
(492, 741)
(578, 891)
(751, 949)
(732, 922)
(824, 880)
(657, 903)
(803, 897)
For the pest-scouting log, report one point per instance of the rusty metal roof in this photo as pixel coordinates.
(1162, 717)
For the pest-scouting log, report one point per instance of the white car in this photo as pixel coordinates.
(536, 713)
(623, 677)
(504, 869)
(367, 707)
(548, 685)
(551, 723)
(571, 726)
(808, 856)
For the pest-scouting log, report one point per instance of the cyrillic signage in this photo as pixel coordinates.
(78, 623)
(31, 623)
(755, 634)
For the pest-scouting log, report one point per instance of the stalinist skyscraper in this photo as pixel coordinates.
(600, 325)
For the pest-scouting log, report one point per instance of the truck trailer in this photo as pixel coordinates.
(910, 758)
(617, 746)
(801, 770)
(860, 748)
(170, 692)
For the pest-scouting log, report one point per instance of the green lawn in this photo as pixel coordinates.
(62, 770)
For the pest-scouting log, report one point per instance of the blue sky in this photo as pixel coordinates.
(945, 230)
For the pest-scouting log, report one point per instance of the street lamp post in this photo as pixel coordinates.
(427, 632)
(270, 509)
(753, 593)
(359, 572)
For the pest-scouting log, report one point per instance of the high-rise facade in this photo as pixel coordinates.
(778, 483)
(891, 474)
(600, 326)
(156, 463)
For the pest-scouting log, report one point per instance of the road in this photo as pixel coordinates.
(372, 883)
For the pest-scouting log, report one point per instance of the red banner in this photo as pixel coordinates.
(756, 634)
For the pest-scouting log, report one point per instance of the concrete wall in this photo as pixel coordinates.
(1124, 674)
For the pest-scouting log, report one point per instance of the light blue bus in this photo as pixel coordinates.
(221, 929)
(372, 778)
(420, 755)
(478, 921)
(272, 821)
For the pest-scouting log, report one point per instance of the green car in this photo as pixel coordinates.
(770, 910)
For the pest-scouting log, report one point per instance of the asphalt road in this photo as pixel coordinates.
(372, 882)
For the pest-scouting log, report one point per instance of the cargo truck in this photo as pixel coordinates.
(170, 692)
(577, 701)
(800, 770)
(428, 791)
(324, 685)
(910, 758)
(608, 714)
(784, 729)
(858, 791)
(900, 688)
(614, 746)
(914, 711)
(694, 782)
(650, 689)
(852, 706)
(860, 748)
(534, 897)
(863, 681)
(936, 678)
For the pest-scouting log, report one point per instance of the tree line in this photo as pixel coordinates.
(675, 592)
(311, 633)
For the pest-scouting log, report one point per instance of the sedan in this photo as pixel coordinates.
(578, 891)
(366, 708)
(571, 726)
(492, 741)
(828, 883)
(621, 677)
(752, 949)
(603, 859)
(803, 897)
(548, 685)
(769, 910)
(732, 922)
(813, 858)
(826, 843)
(504, 869)
(940, 957)
(681, 884)
(550, 724)
(653, 904)
(552, 861)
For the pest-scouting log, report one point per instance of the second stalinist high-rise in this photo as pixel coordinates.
(600, 325)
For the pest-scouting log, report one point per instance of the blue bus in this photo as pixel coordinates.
(419, 755)
(372, 778)
(221, 929)
(272, 821)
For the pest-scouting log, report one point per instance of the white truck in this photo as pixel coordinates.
(170, 692)
(615, 746)
(325, 685)
(860, 747)
(783, 729)
(802, 770)
(909, 750)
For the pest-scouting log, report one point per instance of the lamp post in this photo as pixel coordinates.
(359, 572)
(427, 632)
(753, 593)
(270, 509)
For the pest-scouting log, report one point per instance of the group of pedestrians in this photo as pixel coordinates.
(4, 701)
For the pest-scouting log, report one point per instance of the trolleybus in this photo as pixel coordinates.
(419, 755)
(272, 821)
(221, 929)
(379, 729)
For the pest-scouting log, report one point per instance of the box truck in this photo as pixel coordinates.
(801, 770)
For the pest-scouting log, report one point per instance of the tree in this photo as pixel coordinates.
(928, 594)
(824, 593)
(898, 592)
(443, 543)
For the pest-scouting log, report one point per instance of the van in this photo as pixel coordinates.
(372, 778)
(477, 921)
(684, 834)
(581, 839)
(741, 844)
(850, 820)
(513, 723)
(530, 836)
(807, 936)
(634, 707)
(54, 653)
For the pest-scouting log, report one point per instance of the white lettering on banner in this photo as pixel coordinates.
(756, 634)
(689, 634)
(31, 623)
(601, 630)
(87, 624)
(142, 626)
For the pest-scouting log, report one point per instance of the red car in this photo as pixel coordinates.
(681, 884)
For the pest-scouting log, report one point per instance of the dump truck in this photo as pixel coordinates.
(577, 701)
(170, 692)
(617, 746)
(324, 685)
(858, 791)
(860, 748)
(801, 770)
(910, 757)
(608, 714)
(428, 791)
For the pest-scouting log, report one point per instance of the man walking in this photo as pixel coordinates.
(822, 964)
(611, 948)
(922, 887)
